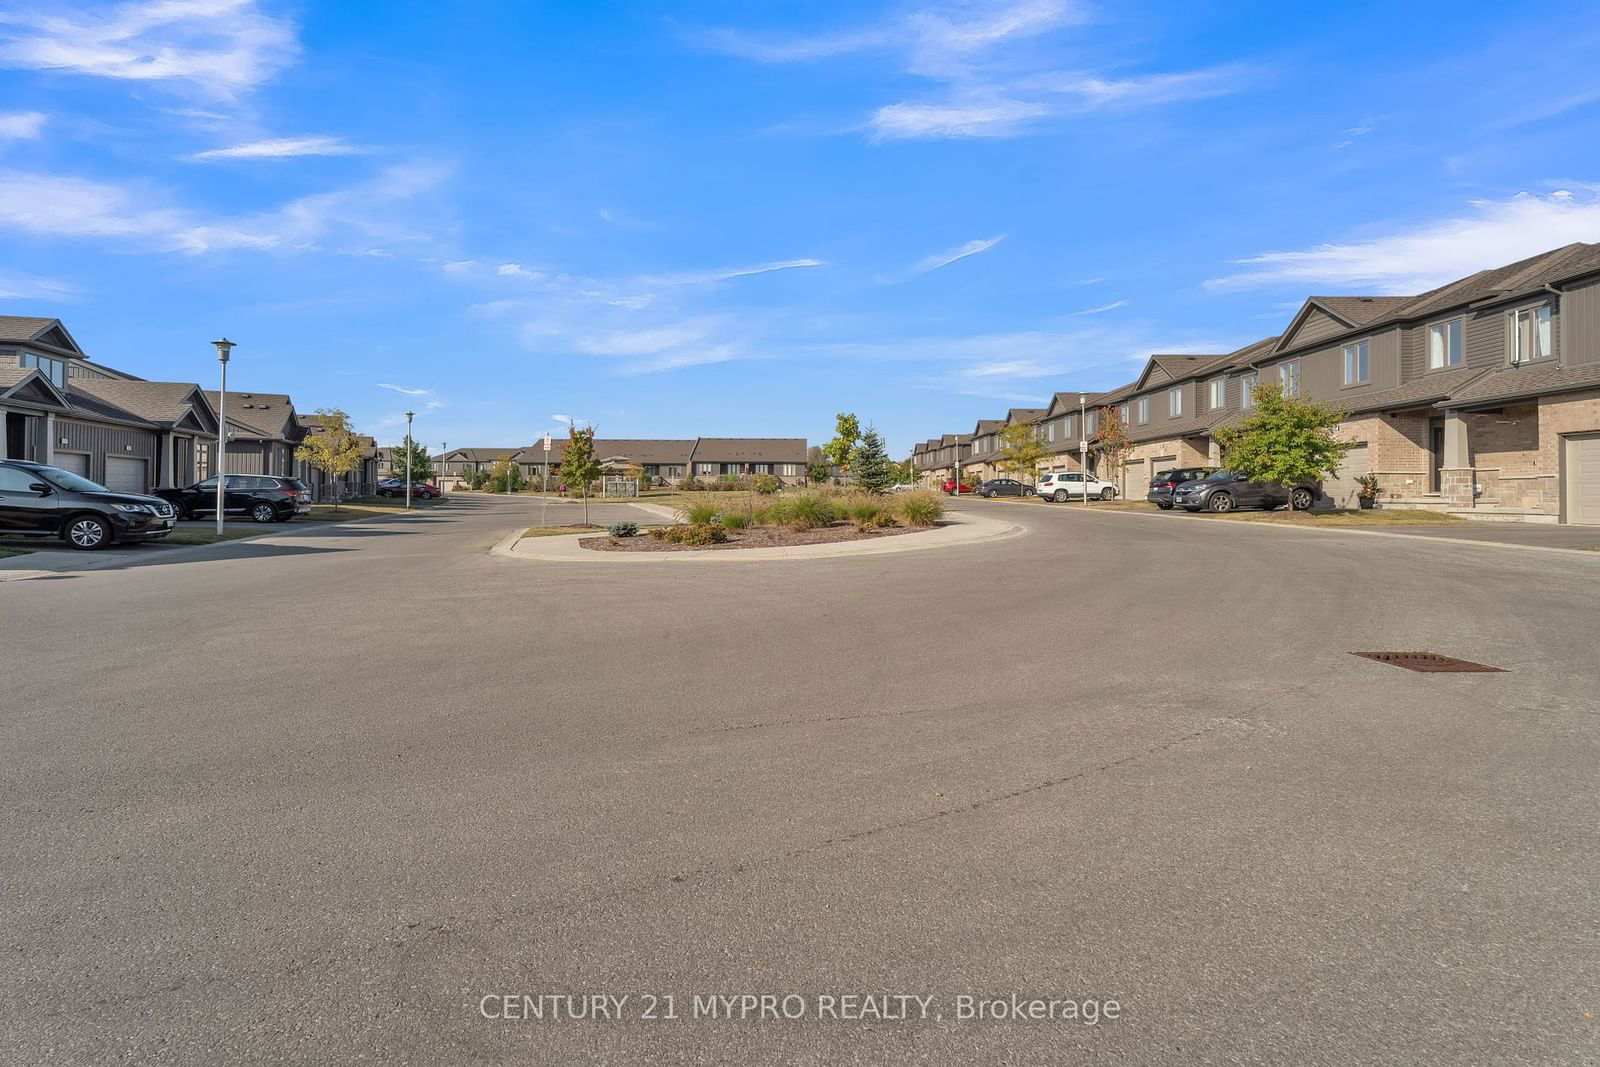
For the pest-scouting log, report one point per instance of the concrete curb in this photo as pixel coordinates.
(958, 530)
(1357, 531)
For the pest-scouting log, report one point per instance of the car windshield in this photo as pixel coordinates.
(67, 480)
(1220, 476)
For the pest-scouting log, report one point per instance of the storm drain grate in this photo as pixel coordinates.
(1430, 662)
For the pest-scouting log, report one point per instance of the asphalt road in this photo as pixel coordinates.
(311, 799)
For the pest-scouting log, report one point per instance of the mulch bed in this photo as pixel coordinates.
(760, 537)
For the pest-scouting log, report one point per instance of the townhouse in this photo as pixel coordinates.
(668, 460)
(1480, 397)
(942, 456)
(358, 482)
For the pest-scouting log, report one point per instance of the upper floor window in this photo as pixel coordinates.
(54, 369)
(1533, 333)
(1066, 427)
(1124, 410)
(1444, 344)
(1144, 409)
(1357, 363)
(1216, 392)
(1175, 401)
(1289, 377)
(1247, 389)
(1050, 431)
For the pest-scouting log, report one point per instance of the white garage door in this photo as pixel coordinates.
(125, 475)
(1136, 479)
(1340, 491)
(76, 462)
(1583, 480)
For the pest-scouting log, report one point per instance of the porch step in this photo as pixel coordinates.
(1502, 514)
(1429, 502)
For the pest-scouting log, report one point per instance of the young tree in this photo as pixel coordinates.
(1111, 439)
(333, 449)
(504, 477)
(841, 450)
(818, 469)
(870, 463)
(1286, 441)
(1021, 450)
(415, 467)
(578, 466)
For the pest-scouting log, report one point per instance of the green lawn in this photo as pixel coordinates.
(197, 535)
(7, 553)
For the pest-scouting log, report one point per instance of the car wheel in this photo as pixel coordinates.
(1107, 494)
(1027, 492)
(261, 511)
(87, 532)
(1164, 507)
(1060, 496)
(1301, 499)
(385, 493)
(1220, 502)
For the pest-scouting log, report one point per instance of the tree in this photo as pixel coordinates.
(504, 477)
(847, 433)
(818, 469)
(578, 466)
(416, 467)
(870, 463)
(1021, 450)
(1286, 441)
(1111, 439)
(333, 449)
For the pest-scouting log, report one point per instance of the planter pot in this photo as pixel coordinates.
(1366, 502)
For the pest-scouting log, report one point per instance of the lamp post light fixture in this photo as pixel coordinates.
(1083, 445)
(409, 459)
(224, 347)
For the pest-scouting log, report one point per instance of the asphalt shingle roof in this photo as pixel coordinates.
(157, 402)
(1530, 379)
(22, 327)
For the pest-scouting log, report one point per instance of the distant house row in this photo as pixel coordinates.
(1480, 397)
(669, 460)
(58, 406)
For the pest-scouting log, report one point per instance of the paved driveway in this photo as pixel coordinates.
(312, 798)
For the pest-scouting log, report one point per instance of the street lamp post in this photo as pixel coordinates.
(409, 459)
(1083, 445)
(224, 346)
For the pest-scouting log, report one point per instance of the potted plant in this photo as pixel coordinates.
(1367, 490)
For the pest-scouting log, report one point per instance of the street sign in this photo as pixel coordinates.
(1083, 446)
(547, 442)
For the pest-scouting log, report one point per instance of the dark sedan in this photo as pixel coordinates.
(994, 487)
(1165, 481)
(1225, 491)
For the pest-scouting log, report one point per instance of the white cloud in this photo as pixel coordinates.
(459, 266)
(517, 270)
(994, 116)
(26, 287)
(647, 341)
(218, 48)
(21, 125)
(282, 148)
(726, 273)
(1429, 254)
(1102, 308)
(950, 255)
(404, 390)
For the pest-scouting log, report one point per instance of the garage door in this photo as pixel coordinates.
(76, 462)
(1583, 480)
(1340, 491)
(1136, 479)
(126, 475)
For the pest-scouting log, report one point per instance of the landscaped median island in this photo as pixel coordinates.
(722, 521)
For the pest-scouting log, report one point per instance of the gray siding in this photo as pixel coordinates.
(1318, 324)
(1580, 316)
(100, 440)
(1486, 338)
(246, 457)
(1414, 353)
(1322, 370)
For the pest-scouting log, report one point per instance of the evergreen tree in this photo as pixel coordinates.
(870, 463)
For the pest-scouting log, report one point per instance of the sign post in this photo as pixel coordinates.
(544, 500)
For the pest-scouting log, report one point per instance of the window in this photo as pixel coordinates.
(1444, 344)
(16, 480)
(1175, 401)
(1533, 333)
(705, 468)
(54, 369)
(1357, 364)
(1050, 431)
(1144, 409)
(763, 468)
(1066, 427)
(1216, 392)
(1289, 377)
(789, 470)
(1124, 410)
(1247, 389)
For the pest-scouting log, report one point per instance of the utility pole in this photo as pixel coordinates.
(1083, 445)
(224, 346)
(410, 459)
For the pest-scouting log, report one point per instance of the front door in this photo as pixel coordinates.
(1435, 453)
(22, 507)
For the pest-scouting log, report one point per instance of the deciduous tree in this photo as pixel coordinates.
(579, 468)
(1021, 450)
(334, 449)
(1286, 441)
(847, 433)
(1111, 440)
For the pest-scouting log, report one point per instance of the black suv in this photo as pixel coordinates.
(1003, 487)
(42, 501)
(1165, 481)
(1225, 490)
(262, 497)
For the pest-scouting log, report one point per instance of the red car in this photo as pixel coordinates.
(952, 489)
(392, 487)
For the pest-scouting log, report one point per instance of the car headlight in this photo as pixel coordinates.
(132, 509)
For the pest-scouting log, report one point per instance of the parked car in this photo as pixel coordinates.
(261, 497)
(37, 500)
(419, 490)
(1162, 485)
(901, 487)
(1070, 485)
(1225, 491)
(994, 487)
(952, 489)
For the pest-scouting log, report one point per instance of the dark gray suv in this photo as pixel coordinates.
(1225, 491)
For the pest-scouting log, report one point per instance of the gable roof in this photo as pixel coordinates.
(264, 415)
(162, 403)
(27, 385)
(987, 426)
(31, 330)
(1024, 415)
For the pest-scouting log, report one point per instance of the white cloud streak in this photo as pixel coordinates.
(1103, 308)
(405, 390)
(21, 125)
(951, 255)
(218, 48)
(727, 273)
(1429, 254)
(282, 148)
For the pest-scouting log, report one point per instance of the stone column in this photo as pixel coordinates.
(168, 461)
(50, 440)
(1457, 476)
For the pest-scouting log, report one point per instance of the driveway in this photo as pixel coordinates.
(316, 796)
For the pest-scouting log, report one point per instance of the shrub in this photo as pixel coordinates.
(735, 520)
(864, 511)
(623, 529)
(807, 511)
(692, 534)
(767, 484)
(922, 507)
(698, 512)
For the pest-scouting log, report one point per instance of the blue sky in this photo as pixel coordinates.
(736, 218)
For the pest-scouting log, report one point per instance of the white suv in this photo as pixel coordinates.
(1069, 485)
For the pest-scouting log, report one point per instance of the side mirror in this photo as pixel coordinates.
(41, 488)
(1238, 477)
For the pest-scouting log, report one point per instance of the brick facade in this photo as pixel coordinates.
(1397, 450)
